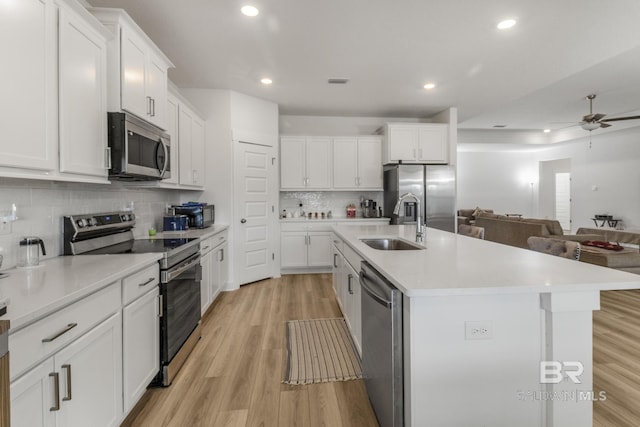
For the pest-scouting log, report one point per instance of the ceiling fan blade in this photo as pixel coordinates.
(587, 118)
(617, 119)
(597, 117)
(604, 125)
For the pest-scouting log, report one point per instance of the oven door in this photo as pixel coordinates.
(180, 306)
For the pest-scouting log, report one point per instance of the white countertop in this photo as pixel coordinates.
(201, 233)
(334, 219)
(459, 265)
(33, 293)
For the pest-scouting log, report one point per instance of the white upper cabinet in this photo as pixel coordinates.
(191, 145)
(416, 143)
(305, 163)
(137, 69)
(28, 115)
(55, 124)
(83, 96)
(172, 130)
(357, 163)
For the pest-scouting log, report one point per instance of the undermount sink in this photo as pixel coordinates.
(391, 244)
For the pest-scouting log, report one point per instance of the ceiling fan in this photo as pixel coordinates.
(595, 121)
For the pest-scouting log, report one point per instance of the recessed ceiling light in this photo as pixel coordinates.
(249, 10)
(429, 86)
(546, 130)
(507, 23)
(266, 81)
(499, 126)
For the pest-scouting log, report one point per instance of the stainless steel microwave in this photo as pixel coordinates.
(139, 150)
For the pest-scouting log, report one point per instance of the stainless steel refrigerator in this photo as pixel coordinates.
(434, 185)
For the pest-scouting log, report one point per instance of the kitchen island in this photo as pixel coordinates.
(480, 317)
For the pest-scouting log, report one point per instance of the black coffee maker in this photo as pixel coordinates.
(369, 208)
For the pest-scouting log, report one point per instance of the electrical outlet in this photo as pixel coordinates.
(478, 330)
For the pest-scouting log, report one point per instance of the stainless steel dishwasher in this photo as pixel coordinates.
(382, 346)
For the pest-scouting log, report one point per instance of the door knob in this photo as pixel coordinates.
(242, 221)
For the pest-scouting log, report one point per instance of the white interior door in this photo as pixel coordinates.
(255, 196)
(563, 200)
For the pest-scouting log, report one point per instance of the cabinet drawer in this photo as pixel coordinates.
(27, 347)
(210, 243)
(338, 243)
(307, 226)
(352, 257)
(140, 283)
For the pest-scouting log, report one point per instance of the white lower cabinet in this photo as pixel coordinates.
(346, 284)
(305, 249)
(78, 386)
(215, 268)
(141, 345)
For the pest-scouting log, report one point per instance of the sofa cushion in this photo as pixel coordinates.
(553, 226)
(466, 212)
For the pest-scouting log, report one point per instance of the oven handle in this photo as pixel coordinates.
(181, 268)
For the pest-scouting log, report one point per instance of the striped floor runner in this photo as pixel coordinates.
(320, 350)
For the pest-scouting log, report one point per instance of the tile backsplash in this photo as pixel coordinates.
(42, 204)
(324, 201)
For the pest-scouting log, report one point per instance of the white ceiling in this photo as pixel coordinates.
(527, 77)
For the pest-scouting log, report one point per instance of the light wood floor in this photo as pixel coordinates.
(616, 357)
(233, 376)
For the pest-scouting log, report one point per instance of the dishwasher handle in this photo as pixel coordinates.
(365, 287)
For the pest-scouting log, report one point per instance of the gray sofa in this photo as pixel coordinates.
(515, 231)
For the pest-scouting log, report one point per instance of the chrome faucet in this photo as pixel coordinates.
(419, 226)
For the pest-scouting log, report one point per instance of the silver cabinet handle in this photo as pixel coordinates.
(221, 254)
(309, 240)
(148, 105)
(349, 287)
(56, 391)
(205, 248)
(335, 257)
(67, 368)
(69, 327)
(151, 279)
(160, 310)
(153, 107)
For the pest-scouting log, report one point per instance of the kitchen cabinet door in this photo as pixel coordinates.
(90, 372)
(156, 90)
(222, 270)
(293, 249)
(141, 346)
(403, 143)
(293, 163)
(354, 311)
(134, 70)
(28, 113)
(345, 163)
(319, 246)
(83, 103)
(433, 146)
(172, 130)
(206, 262)
(191, 144)
(369, 163)
(197, 151)
(318, 163)
(32, 397)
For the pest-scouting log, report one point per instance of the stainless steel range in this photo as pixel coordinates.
(180, 276)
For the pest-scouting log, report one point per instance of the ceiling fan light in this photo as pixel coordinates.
(590, 126)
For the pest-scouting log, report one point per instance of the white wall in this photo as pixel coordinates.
(42, 204)
(228, 114)
(605, 177)
(506, 182)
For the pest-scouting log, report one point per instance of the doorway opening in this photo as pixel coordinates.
(563, 200)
